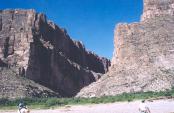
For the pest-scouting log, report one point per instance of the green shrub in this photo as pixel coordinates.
(4, 101)
(51, 102)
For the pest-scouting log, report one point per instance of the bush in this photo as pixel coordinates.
(4, 101)
(52, 102)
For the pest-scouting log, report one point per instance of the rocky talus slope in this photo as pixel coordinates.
(45, 53)
(14, 86)
(143, 58)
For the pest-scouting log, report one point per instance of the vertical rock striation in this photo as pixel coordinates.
(45, 53)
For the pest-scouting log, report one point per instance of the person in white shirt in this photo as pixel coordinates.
(143, 108)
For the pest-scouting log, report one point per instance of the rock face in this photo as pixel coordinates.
(143, 58)
(155, 8)
(43, 52)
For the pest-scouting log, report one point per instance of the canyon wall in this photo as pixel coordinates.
(45, 53)
(143, 58)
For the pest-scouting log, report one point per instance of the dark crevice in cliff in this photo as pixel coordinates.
(6, 47)
(0, 23)
(3, 64)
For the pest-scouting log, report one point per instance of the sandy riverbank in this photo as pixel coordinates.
(157, 106)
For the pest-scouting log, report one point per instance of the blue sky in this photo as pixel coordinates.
(90, 21)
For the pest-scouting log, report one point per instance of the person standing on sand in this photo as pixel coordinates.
(143, 108)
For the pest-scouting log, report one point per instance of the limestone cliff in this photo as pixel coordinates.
(155, 8)
(143, 58)
(45, 53)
